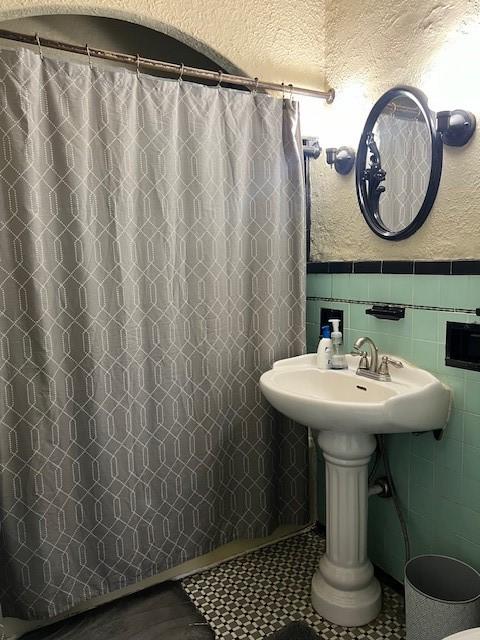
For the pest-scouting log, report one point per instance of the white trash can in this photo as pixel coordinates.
(442, 596)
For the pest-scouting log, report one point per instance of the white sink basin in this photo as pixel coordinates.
(345, 410)
(340, 400)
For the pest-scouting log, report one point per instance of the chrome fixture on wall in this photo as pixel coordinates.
(343, 159)
(456, 127)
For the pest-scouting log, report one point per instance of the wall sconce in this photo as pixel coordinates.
(311, 148)
(343, 159)
(456, 127)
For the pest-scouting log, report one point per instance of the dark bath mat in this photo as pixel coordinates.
(163, 612)
(295, 631)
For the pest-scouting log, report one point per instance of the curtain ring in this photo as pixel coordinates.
(255, 88)
(220, 76)
(182, 69)
(138, 65)
(89, 56)
(283, 91)
(290, 86)
(37, 38)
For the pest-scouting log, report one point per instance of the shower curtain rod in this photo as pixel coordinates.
(180, 69)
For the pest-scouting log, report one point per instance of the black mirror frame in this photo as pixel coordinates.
(372, 217)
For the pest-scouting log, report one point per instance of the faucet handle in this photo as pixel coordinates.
(396, 363)
(364, 363)
(363, 355)
(383, 368)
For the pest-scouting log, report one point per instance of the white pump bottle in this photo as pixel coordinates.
(338, 359)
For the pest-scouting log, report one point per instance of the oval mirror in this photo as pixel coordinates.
(399, 164)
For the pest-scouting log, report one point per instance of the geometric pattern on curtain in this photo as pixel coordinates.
(151, 268)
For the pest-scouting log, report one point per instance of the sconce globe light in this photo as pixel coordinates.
(456, 127)
(343, 159)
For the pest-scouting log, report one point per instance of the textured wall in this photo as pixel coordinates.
(272, 39)
(107, 33)
(370, 47)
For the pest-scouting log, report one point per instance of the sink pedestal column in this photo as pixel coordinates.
(344, 589)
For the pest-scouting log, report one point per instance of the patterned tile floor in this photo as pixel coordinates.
(249, 597)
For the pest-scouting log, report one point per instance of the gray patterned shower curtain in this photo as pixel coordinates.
(151, 268)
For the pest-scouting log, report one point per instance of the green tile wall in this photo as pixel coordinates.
(438, 482)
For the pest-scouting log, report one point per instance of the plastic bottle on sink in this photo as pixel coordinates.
(324, 351)
(338, 359)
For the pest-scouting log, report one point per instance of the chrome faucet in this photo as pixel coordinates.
(373, 365)
(371, 368)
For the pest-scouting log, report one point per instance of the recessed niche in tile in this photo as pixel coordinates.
(342, 306)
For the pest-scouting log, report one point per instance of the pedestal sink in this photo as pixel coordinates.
(345, 411)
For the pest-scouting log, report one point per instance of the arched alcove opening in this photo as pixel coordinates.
(116, 35)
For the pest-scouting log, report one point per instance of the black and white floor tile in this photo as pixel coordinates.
(249, 597)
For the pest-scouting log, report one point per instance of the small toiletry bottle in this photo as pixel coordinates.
(324, 351)
(338, 360)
